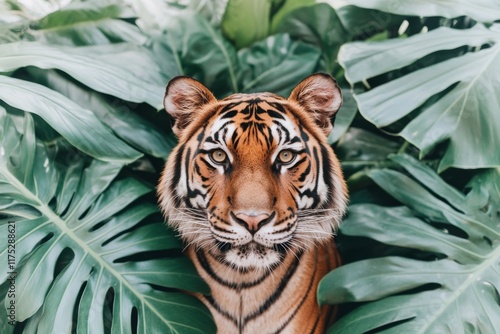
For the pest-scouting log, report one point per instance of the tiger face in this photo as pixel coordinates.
(253, 177)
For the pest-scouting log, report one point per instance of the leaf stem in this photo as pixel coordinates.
(404, 147)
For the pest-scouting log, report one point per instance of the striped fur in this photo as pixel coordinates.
(257, 226)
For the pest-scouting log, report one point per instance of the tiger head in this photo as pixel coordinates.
(253, 177)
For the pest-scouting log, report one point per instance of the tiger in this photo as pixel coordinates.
(256, 193)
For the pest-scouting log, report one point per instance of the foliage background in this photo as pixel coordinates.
(83, 140)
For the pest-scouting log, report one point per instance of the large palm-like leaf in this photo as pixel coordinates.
(77, 124)
(86, 242)
(465, 115)
(85, 23)
(480, 10)
(123, 70)
(458, 290)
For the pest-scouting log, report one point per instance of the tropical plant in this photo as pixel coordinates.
(83, 140)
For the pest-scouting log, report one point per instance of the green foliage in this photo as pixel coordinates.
(466, 114)
(462, 279)
(83, 140)
(79, 228)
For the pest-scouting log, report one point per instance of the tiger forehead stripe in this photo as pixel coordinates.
(252, 108)
(252, 120)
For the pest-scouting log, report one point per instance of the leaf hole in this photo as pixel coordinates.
(164, 288)
(53, 202)
(85, 212)
(99, 225)
(74, 323)
(389, 326)
(450, 229)
(67, 255)
(420, 289)
(151, 255)
(68, 205)
(116, 236)
(44, 239)
(489, 241)
(107, 311)
(134, 320)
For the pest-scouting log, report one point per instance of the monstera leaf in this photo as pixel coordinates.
(123, 70)
(91, 253)
(456, 98)
(481, 10)
(84, 23)
(455, 289)
(276, 65)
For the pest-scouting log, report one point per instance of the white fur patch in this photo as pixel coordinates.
(252, 256)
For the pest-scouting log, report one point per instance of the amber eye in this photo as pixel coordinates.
(286, 156)
(219, 156)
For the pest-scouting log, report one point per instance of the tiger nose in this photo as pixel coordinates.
(253, 222)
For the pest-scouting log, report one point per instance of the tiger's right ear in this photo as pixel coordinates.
(184, 97)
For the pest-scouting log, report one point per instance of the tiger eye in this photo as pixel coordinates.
(286, 156)
(219, 156)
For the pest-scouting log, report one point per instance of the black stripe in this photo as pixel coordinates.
(326, 174)
(177, 168)
(282, 130)
(230, 114)
(302, 301)
(198, 171)
(303, 176)
(274, 114)
(316, 323)
(219, 309)
(234, 286)
(277, 106)
(217, 228)
(228, 108)
(279, 290)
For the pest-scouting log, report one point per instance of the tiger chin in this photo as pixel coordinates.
(256, 192)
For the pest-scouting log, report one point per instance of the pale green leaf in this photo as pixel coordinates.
(455, 289)
(480, 10)
(465, 116)
(78, 125)
(125, 119)
(123, 70)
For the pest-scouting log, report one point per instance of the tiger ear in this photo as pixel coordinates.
(184, 97)
(321, 97)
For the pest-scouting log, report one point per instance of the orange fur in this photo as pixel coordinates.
(258, 229)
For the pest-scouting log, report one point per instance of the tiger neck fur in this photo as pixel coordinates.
(281, 300)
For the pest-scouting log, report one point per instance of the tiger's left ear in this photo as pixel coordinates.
(184, 98)
(321, 97)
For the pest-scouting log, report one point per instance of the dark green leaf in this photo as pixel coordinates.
(201, 52)
(106, 234)
(457, 293)
(288, 7)
(318, 25)
(276, 65)
(465, 116)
